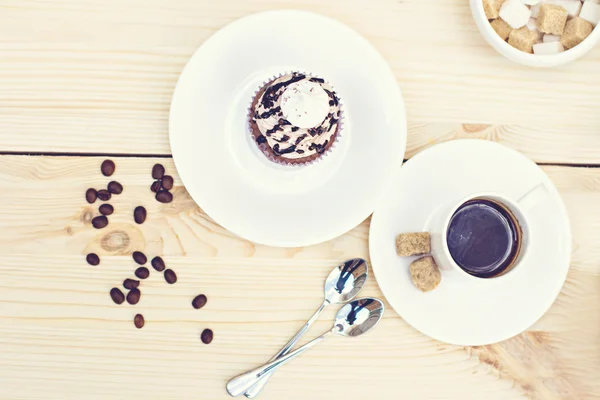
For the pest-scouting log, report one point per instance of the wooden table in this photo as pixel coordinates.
(83, 80)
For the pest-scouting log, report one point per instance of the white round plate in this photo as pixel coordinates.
(463, 310)
(227, 175)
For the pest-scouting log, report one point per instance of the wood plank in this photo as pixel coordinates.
(62, 337)
(97, 76)
(548, 145)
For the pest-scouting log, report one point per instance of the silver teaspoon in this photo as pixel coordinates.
(353, 319)
(341, 286)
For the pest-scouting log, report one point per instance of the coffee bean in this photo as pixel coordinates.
(138, 321)
(133, 297)
(139, 257)
(99, 222)
(130, 283)
(167, 182)
(106, 209)
(199, 301)
(170, 276)
(139, 215)
(115, 187)
(117, 296)
(206, 336)
(155, 187)
(107, 168)
(142, 272)
(158, 264)
(92, 259)
(158, 171)
(164, 196)
(91, 195)
(104, 195)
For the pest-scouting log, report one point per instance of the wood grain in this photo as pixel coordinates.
(97, 76)
(91, 76)
(61, 336)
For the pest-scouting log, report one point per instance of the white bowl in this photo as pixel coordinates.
(521, 57)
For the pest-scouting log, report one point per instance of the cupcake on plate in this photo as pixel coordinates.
(295, 119)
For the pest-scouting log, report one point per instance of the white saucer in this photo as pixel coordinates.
(460, 310)
(224, 171)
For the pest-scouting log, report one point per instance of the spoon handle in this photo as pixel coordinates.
(255, 389)
(238, 385)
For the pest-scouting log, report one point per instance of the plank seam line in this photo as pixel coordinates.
(547, 164)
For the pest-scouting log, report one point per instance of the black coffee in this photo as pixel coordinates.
(484, 238)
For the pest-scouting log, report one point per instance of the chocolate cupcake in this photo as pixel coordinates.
(295, 119)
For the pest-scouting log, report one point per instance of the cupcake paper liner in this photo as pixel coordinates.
(281, 160)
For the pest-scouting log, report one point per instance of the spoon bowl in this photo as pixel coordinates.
(346, 280)
(358, 317)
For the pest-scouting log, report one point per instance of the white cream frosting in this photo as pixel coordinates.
(305, 104)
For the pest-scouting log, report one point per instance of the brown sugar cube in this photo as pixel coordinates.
(425, 274)
(552, 19)
(576, 30)
(413, 244)
(523, 39)
(492, 8)
(501, 27)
